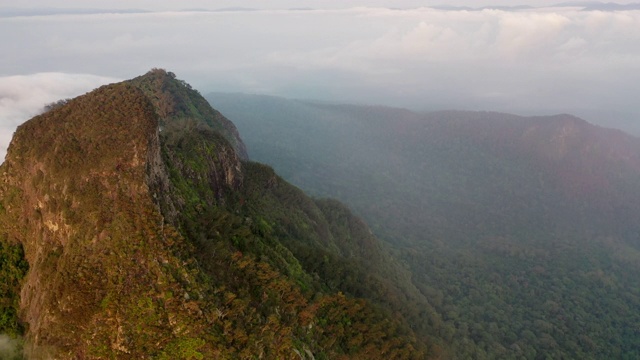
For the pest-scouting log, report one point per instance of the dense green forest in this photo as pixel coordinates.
(523, 233)
(134, 227)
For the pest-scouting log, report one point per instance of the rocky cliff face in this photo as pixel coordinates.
(146, 238)
(76, 189)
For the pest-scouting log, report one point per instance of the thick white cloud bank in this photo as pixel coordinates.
(538, 60)
(22, 97)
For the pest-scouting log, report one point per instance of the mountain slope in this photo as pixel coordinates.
(146, 235)
(521, 231)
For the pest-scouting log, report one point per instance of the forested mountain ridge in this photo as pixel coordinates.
(132, 227)
(523, 232)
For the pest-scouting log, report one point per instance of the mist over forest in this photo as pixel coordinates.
(499, 217)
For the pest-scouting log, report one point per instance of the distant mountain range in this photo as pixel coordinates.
(584, 5)
(523, 232)
(604, 6)
(15, 11)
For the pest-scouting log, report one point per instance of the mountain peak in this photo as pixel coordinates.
(175, 100)
(147, 236)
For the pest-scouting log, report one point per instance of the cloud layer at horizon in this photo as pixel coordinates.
(545, 59)
(24, 96)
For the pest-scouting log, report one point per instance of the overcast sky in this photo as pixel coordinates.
(545, 59)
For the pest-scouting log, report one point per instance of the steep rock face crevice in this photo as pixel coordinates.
(194, 144)
(158, 179)
(188, 163)
(201, 163)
